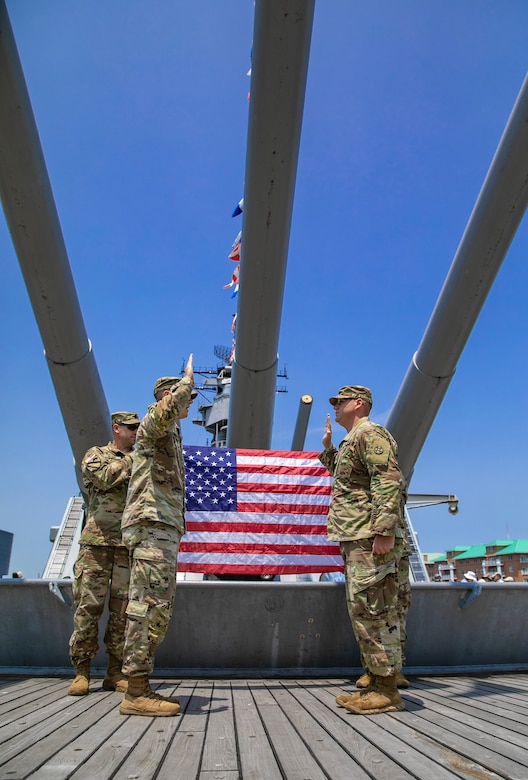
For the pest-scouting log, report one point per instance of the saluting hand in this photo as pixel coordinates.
(327, 438)
(189, 368)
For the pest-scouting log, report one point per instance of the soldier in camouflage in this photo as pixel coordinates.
(152, 526)
(102, 564)
(366, 517)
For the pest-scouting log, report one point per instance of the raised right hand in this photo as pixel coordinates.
(327, 437)
(189, 367)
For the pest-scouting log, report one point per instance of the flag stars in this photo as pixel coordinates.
(211, 479)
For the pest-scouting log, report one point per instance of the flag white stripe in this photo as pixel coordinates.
(271, 559)
(266, 460)
(217, 537)
(281, 498)
(255, 517)
(282, 479)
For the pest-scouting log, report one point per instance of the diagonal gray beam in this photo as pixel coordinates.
(492, 225)
(281, 47)
(34, 225)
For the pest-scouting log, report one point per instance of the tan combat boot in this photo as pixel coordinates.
(114, 679)
(365, 680)
(401, 681)
(81, 684)
(348, 698)
(383, 696)
(140, 700)
(160, 696)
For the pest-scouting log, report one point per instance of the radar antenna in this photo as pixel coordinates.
(223, 353)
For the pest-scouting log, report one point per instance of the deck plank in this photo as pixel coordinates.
(35, 727)
(484, 694)
(493, 714)
(133, 743)
(414, 756)
(78, 741)
(219, 754)
(454, 728)
(30, 700)
(295, 760)
(257, 759)
(149, 752)
(367, 755)
(302, 710)
(468, 739)
(183, 755)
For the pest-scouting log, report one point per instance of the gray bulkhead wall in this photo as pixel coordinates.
(295, 629)
(33, 222)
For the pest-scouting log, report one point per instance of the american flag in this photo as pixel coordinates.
(256, 512)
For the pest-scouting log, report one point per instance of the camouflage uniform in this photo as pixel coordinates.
(153, 524)
(102, 563)
(368, 498)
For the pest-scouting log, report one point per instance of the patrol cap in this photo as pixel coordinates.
(166, 382)
(352, 391)
(125, 418)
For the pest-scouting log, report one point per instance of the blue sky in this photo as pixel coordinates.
(142, 113)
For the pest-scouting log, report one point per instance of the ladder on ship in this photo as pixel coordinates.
(418, 572)
(65, 546)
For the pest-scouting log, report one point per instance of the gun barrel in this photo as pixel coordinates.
(490, 230)
(301, 426)
(281, 47)
(34, 225)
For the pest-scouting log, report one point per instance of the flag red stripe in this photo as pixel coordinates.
(290, 454)
(247, 548)
(283, 509)
(307, 471)
(227, 568)
(278, 487)
(256, 528)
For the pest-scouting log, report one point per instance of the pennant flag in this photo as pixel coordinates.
(235, 254)
(234, 279)
(256, 512)
(239, 208)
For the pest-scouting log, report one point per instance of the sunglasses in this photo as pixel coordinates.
(130, 426)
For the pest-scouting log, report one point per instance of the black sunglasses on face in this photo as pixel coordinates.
(130, 426)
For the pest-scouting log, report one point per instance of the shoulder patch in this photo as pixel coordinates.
(378, 450)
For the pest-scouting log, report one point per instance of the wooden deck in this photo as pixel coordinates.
(264, 729)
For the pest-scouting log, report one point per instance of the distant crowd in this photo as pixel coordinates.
(470, 576)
